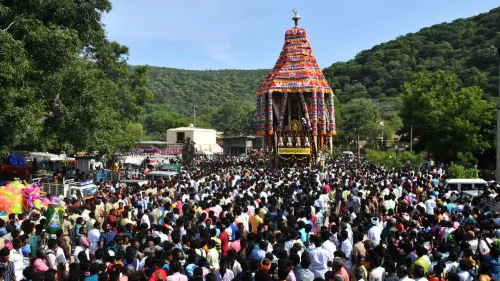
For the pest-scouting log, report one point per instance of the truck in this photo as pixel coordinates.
(71, 188)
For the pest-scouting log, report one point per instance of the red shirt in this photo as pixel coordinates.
(224, 242)
(163, 274)
(110, 219)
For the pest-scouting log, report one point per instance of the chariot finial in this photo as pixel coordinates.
(296, 17)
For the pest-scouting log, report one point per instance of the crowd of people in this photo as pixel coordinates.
(230, 219)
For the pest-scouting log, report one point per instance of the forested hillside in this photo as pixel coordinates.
(208, 89)
(224, 99)
(462, 47)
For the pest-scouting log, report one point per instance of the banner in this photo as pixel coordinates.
(176, 168)
(294, 150)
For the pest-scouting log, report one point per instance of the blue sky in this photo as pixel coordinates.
(249, 34)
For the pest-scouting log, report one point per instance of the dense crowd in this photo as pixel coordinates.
(229, 219)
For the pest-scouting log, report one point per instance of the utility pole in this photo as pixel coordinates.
(359, 154)
(194, 115)
(411, 138)
(497, 171)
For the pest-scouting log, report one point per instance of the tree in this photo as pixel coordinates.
(392, 161)
(412, 160)
(187, 151)
(447, 119)
(360, 116)
(456, 171)
(161, 117)
(235, 118)
(64, 85)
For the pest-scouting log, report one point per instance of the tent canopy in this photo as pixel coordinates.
(134, 160)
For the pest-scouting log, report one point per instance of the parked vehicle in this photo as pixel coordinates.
(466, 184)
(70, 188)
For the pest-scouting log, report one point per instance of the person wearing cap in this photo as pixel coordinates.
(263, 271)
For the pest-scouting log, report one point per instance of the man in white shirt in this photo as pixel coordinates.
(56, 254)
(212, 255)
(378, 273)
(80, 248)
(223, 273)
(375, 231)
(163, 234)
(17, 258)
(397, 191)
(430, 205)
(145, 218)
(402, 272)
(327, 244)
(94, 235)
(346, 248)
(320, 258)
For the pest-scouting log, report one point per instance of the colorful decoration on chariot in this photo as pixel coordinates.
(304, 108)
(314, 114)
(331, 115)
(270, 113)
(322, 115)
(282, 111)
(16, 197)
(295, 72)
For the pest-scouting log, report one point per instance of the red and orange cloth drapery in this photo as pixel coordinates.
(296, 72)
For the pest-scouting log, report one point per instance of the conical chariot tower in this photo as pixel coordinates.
(295, 111)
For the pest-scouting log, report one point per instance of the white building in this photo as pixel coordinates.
(204, 139)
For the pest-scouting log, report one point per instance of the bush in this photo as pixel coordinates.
(472, 173)
(456, 171)
(393, 161)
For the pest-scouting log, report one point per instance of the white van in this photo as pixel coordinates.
(466, 184)
(84, 189)
(348, 154)
(159, 175)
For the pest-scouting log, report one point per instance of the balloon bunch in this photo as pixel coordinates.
(32, 194)
(11, 198)
(16, 197)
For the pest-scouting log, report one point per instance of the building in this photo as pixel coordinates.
(240, 145)
(204, 139)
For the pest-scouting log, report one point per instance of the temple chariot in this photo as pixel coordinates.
(295, 110)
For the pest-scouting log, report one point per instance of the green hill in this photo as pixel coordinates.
(209, 89)
(462, 47)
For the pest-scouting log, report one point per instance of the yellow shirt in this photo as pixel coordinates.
(255, 221)
(423, 263)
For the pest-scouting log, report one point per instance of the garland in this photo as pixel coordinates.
(293, 157)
